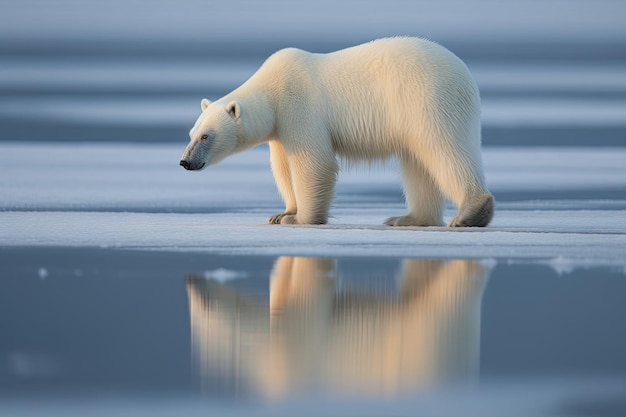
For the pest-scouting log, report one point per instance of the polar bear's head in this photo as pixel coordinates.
(215, 135)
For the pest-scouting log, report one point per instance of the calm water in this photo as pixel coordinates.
(84, 324)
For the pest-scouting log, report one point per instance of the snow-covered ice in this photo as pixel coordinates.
(137, 197)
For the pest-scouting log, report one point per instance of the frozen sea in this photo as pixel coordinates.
(130, 287)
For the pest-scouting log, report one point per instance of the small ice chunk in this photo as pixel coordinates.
(489, 263)
(42, 273)
(223, 275)
(562, 265)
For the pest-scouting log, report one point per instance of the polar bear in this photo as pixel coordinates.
(405, 97)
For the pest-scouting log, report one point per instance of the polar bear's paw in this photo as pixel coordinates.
(289, 219)
(408, 221)
(292, 218)
(476, 214)
(278, 218)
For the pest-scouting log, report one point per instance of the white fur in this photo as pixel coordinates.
(406, 97)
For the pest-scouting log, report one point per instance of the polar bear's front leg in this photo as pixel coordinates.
(282, 176)
(313, 176)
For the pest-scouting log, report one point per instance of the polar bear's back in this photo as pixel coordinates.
(379, 97)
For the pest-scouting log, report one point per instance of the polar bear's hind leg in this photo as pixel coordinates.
(423, 198)
(458, 172)
(475, 213)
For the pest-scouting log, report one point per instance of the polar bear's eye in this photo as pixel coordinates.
(204, 137)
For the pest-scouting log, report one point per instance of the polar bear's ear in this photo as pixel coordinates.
(205, 103)
(233, 109)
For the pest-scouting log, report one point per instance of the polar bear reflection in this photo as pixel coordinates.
(316, 336)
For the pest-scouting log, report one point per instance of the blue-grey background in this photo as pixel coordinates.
(550, 72)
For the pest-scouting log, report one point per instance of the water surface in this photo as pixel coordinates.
(84, 325)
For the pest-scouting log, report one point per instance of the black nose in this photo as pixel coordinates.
(185, 164)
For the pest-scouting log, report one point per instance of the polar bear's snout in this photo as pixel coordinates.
(190, 166)
(195, 156)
